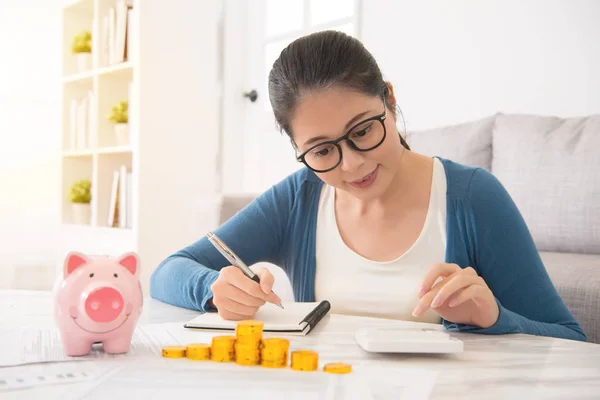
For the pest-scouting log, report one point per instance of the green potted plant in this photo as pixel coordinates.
(80, 196)
(120, 116)
(82, 49)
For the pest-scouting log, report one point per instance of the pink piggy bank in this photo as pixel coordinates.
(98, 300)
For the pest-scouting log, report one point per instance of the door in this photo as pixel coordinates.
(255, 154)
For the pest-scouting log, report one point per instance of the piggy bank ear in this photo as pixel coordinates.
(130, 261)
(73, 261)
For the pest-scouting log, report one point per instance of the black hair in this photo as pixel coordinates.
(322, 60)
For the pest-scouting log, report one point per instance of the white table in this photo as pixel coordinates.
(508, 366)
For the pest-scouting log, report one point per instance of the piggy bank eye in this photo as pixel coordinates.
(115, 275)
(92, 275)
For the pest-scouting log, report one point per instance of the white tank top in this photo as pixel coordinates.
(355, 285)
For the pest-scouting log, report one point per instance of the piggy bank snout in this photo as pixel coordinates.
(104, 304)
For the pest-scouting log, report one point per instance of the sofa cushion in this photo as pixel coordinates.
(231, 204)
(469, 143)
(551, 168)
(577, 279)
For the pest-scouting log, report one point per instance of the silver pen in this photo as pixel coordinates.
(234, 259)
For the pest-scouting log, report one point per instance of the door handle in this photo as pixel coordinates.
(252, 95)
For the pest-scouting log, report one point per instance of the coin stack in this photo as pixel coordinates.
(222, 348)
(248, 342)
(248, 347)
(305, 360)
(274, 352)
(198, 351)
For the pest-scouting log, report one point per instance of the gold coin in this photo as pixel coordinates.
(173, 351)
(305, 360)
(251, 324)
(222, 356)
(337, 368)
(270, 354)
(274, 356)
(249, 327)
(222, 348)
(225, 343)
(253, 354)
(248, 356)
(247, 346)
(276, 343)
(198, 351)
(273, 364)
(250, 340)
(246, 361)
(251, 358)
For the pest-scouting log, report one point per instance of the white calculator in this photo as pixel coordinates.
(407, 340)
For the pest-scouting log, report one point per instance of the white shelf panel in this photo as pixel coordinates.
(104, 71)
(78, 153)
(104, 150)
(111, 69)
(114, 150)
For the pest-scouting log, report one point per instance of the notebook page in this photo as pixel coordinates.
(273, 317)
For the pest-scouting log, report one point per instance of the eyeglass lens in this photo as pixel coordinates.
(365, 136)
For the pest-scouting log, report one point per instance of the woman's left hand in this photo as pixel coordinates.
(461, 296)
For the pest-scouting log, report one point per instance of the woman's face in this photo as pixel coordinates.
(328, 115)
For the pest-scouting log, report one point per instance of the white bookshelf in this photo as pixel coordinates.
(89, 145)
(172, 82)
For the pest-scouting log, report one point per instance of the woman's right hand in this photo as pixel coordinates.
(238, 297)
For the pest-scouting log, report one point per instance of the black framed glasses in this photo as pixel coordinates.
(363, 136)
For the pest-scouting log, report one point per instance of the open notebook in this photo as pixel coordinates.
(294, 319)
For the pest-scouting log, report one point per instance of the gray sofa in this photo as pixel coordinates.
(551, 168)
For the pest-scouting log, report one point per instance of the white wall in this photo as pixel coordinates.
(452, 61)
(29, 134)
(179, 97)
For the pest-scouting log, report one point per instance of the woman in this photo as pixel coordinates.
(370, 225)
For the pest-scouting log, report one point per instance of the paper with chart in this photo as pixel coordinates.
(20, 346)
(31, 376)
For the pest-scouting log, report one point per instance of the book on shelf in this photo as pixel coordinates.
(120, 201)
(116, 36)
(83, 122)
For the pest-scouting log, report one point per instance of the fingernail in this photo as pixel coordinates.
(453, 302)
(436, 301)
(417, 311)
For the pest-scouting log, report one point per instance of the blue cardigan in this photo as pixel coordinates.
(485, 230)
